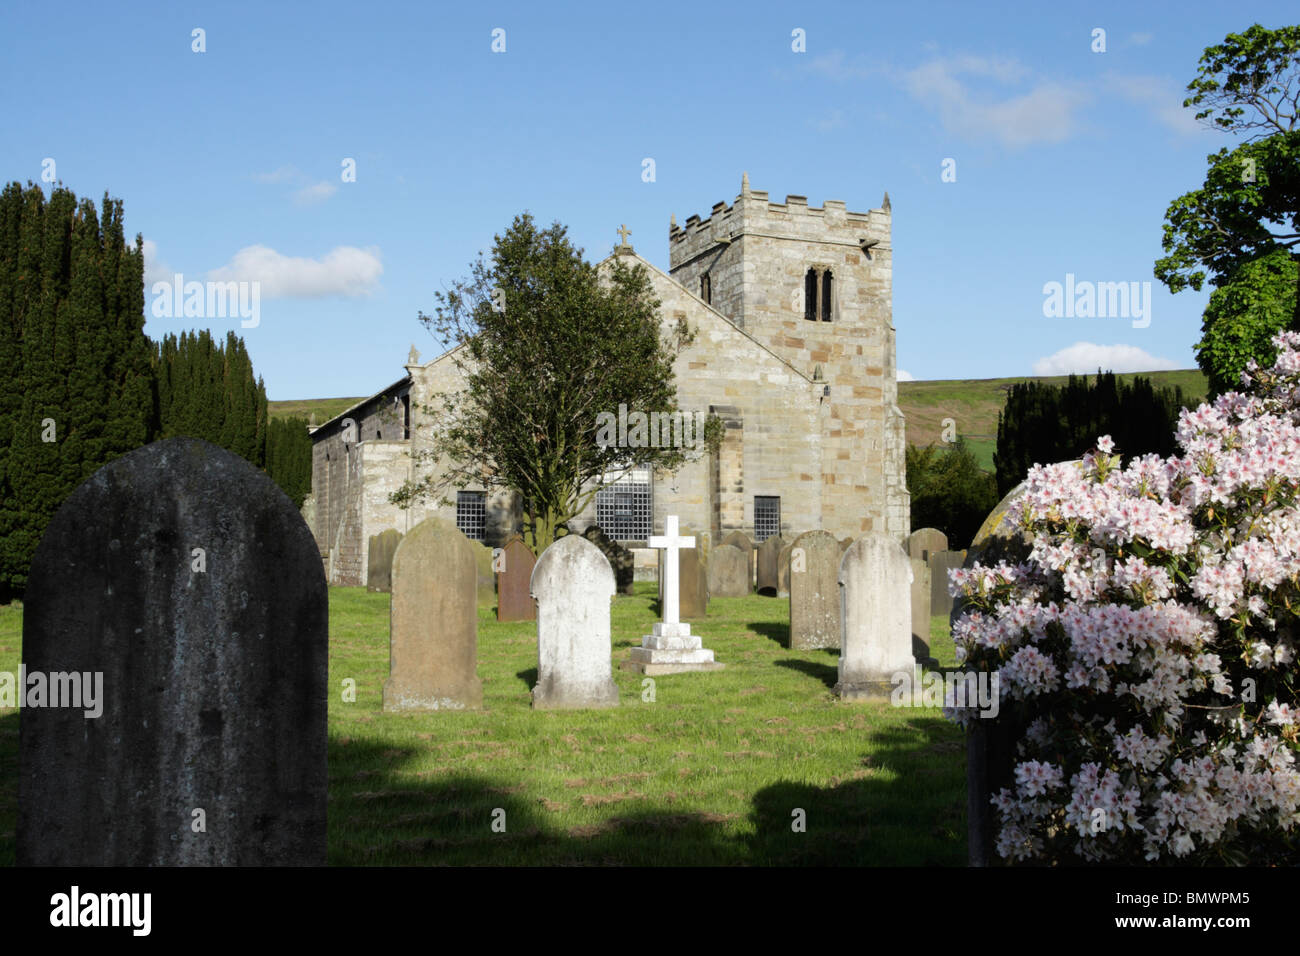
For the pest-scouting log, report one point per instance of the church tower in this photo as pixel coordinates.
(814, 285)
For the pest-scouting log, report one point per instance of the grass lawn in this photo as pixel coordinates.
(711, 771)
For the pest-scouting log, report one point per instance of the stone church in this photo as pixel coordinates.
(794, 351)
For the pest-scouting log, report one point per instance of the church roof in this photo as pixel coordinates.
(626, 252)
(404, 380)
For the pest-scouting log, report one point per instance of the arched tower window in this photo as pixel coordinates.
(828, 291)
(706, 289)
(810, 296)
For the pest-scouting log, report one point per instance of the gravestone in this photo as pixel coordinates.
(783, 572)
(573, 584)
(514, 588)
(941, 562)
(814, 591)
(671, 647)
(921, 612)
(769, 574)
(433, 622)
(924, 542)
(379, 560)
(485, 577)
(845, 543)
(728, 572)
(738, 539)
(692, 578)
(186, 582)
(877, 639)
(619, 557)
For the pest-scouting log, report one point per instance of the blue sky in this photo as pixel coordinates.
(230, 161)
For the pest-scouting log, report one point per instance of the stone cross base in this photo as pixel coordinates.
(670, 649)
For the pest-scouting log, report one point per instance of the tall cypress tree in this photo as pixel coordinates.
(71, 337)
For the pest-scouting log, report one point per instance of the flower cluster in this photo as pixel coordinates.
(1146, 647)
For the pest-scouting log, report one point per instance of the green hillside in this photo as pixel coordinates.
(323, 408)
(972, 403)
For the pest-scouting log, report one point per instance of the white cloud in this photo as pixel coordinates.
(1140, 39)
(905, 376)
(1161, 96)
(1042, 114)
(317, 192)
(155, 270)
(345, 270)
(1085, 357)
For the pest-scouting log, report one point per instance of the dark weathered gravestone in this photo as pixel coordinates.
(573, 583)
(769, 570)
(738, 539)
(694, 590)
(433, 623)
(619, 557)
(728, 572)
(514, 602)
(692, 578)
(184, 590)
(814, 591)
(924, 542)
(941, 562)
(379, 560)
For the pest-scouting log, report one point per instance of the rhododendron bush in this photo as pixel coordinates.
(1148, 643)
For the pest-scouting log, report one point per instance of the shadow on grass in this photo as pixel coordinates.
(887, 813)
(867, 821)
(529, 677)
(772, 630)
(828, 674)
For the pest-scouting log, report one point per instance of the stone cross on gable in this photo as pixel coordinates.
(623, 232)
(670, 541)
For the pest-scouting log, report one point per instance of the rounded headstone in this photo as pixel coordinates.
(187, 582)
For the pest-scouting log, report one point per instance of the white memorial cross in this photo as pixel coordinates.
(671, 543)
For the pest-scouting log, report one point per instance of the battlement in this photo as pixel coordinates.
(753, 211)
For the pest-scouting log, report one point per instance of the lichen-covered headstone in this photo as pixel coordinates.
(877, 641)
(379, 560)
(184, 588)
(514, 576)
(433, 623)
(814, 591)
(769, 572)
(619, 557)
(573, 584)
(728, 572)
